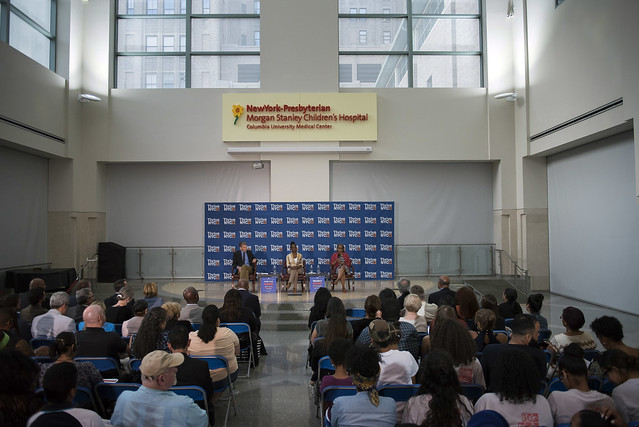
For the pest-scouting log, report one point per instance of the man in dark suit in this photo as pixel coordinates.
(84, 298)
(34, 283)
(444, 289)
(191, 371)
(244, 262)
(250, 301)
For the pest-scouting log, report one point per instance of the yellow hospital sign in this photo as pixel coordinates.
(299, 117)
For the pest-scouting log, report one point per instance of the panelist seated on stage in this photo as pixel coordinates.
(341, 266)
(244, 262)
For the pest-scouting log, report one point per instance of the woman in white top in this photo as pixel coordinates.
(623, 370)
(574, 375)
(573, 320)
(515, 385)
(294, 266)
(439, 400)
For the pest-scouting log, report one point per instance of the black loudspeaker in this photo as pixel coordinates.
(111, 262)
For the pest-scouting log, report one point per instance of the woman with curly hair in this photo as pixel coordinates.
(212, 340)
(151, 335)
(515, 385)
(18, 400)
(573, 320)
(439, 400)
(454, 339)
(367, 407)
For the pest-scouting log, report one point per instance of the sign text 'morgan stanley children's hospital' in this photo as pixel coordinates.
(300, 117)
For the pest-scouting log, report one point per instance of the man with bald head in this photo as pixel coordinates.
(94, 341)
(250, 301)
(444, 289)
(192, 311)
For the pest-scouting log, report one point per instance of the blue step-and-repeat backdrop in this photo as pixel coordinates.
(364, 228)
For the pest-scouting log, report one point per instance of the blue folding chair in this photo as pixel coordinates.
(108, 393)
(607, 386)
(356, 312)
(502, 331)
(118, 328)
(591, 355)
(135, 364)
(194, 392)
(196, 326)
(399, 392)
(42, 359)
(103, 364)
(555, 385)
(325, 364)
(472, 391)
(544, 335)
(83, 397)
(41, 341)
(508, 322)
(330, 394)
(594, 383)
(220, 362)
(240, 328)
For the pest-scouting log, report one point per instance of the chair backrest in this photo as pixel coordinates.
(194, 392)
(238, 328)
(109, 393)
(549, 356)
(356, 312)
(41, 341)
(42, 359)
(325, 363)
(472, 391)
(555, 385)
(101, 363)
(508, 321)
(82, 396)
(607, 386)
(399, 392)
(594, 383)
(544, 335)
(196, 326)
(591, 355)
(217, 362)
(331, 393)
(118, 328)
(135, 364)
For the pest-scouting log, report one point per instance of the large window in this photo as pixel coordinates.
(30, 27)
(189, 43)
(410, 43)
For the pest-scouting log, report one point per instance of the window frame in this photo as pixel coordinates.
(411, 52)
(181, 50)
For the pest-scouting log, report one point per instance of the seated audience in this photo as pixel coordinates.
(596, 417)
(210, 340)
(54, 321)
(113, 299)
(121, 311)
(232, 311)
(172, 314)
(453, 338)
(18, 400)
(466, 305)
(487, 418)
(510, 307)
(337, 351)
(372, 306)
(412, 304)
(489, 302)
(152, 334)
(444, 289)
(108, 326)
(427, 310)
(320, 302)
(153, 404)
(80, 284)
(485, 321)
(439, 400)
(59, 385)
(250, 301)
(572, 319)
(63, 350)
(191, 371)
(403, 285)
(192, 311)
(131, 326)
(515, 387)
(574, 374)
(34, 283)
(334, 326)
(151, 295)
(36, 299)
(367, 407)
(622, 369)
(533, 306)
(443, 312)
(609, 332)
(84, 298)
(525, 329)
(9, 325)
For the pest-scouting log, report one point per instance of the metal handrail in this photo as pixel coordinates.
(520, 274)
(17, 267)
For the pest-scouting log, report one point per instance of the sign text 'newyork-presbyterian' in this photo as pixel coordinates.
(296, 117)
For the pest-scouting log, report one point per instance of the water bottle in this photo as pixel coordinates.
(274, 270)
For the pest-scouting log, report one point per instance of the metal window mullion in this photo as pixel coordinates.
(448, 53)
(224, 53)
(4, 21)
(481, 46)
(409, 42)
(31, 22)
(452, 16)
(52, 41)
(187, 47)
(373, 52)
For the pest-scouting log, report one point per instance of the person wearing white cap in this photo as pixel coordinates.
(153, 404)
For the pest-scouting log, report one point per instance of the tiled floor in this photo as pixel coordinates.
(277, 392)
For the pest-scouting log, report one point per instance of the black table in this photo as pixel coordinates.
(55, 278)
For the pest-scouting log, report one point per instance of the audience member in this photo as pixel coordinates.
(250, 301)
(574, 374)
(131, 326)
(121, 311)
(367, 407)
(151, 295)
(404, 290)
(525, 331)
(318, 310)
(466, 305)
(533, 306)
(337, 351)
(191, 371)
(153, 404)
(372, 306)
(412, 304)
(33, 284)
(515, 387)
(151, 335)
(510, 307)
(622, 369)
(444, 289)
(485, 321)
(36, 299)
(8, 324)
(489, 302)
(439, 400)
(18, 400)
(60, 384)
(54, 321)
(572, 319)
(84, 298)
(334, 326)
(113, 299)
(453, 338)
(108, 326)
(80, 284)
(427, 310)
(211, 340)
(487, 418)
(387, 293)
(232, 311)
(597, 418)
(172, 314)
(191, 311)
(63, 350)
(609, 332)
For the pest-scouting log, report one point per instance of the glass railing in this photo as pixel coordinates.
(175, 262)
